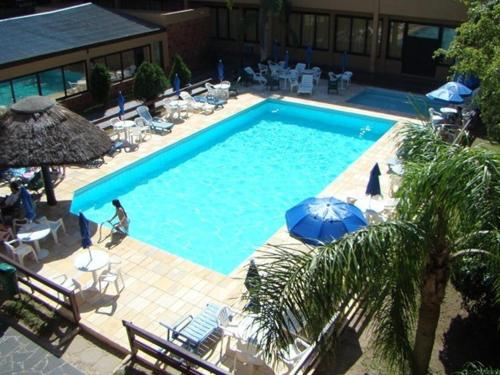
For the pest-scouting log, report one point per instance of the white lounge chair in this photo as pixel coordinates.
(155, 124)
(255, 77)
(195, 106)
(306, 85)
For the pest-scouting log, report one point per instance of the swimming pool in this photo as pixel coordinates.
(397, 101)
(216, 196)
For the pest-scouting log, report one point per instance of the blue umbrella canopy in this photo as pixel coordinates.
(309, 53)
(177, 84)
(84, 230)
(447, 94)
(121, 104)
(319, 221)
(286, 59)
(29, 208)
(373, 187)
(220, 70)
(458, 87)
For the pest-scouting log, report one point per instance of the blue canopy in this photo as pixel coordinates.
(177, 84)
(121, 104)
(287, 58)
(319, 221)
(343, 62)
(309, 52)
(469, 80)
(373, 187)
(84, 231)
(220, 70)
(459, 87)
(29, 208)
(446, 94)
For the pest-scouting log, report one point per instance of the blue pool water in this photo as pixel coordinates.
(403, 102)
(216, 196)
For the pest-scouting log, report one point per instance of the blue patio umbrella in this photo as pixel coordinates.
(446, 94)
(220, 70)
(286, 59)
(319, 221)
(275, 50)
(121, 104)
(343, 61)
(309, 52)
(84, 231)
(29, 208)
(177, 84)
(459, 87)
(373, 187)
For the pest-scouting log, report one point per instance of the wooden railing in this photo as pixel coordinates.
(35, 283)
(166, 353)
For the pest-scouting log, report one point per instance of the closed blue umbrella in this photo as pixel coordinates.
(373, 187)
(343, 62)
(448, 95)
(121, 105)
(309, 53)
(29, 208)
(220, 70)
(177, 84)
(319, 221)
(84, 230)
(287, 57)
(275, 50)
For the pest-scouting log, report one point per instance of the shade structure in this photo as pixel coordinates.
(177, 84)
(309, 52)
(253, 283)
(38, 132)
(373, 187)
(286, 60)
(84, 230)
(220, 70)
(29, 207)
(446, 94)
(343, 61)
(121, 104)
(319, 221)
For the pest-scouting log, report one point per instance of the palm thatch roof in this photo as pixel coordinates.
(38, 132)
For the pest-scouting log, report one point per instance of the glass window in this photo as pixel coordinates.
(307, 30)
(5, 94)
(294, 27)
(322, 32)
(423, 31)
(222, 23)
(213, 17)
(234, 24)
(157, 55)
(448, 35)
(343, 34)
(51, 83)
(25, 86)
(129, 66)
(396, 35)
(251, 21)
(114, 65)
(358, 35)
(75, 77)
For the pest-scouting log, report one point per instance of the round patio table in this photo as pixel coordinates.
(34, 232)
(125, 125)
(92, 261)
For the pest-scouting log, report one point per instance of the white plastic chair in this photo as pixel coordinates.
(69, 283)
(256, 77)
(262, 69)
(306, 85)
(54, 226)
(112, 275)
(293, 80)
(436, 117)
(300, 67)
(316, 74)
(204, 107)
(295, 352)
(20, 251)
(144, 129)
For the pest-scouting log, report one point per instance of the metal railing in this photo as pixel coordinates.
(41, 285)
(165, 352)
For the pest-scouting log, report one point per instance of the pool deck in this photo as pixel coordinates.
(158, 284)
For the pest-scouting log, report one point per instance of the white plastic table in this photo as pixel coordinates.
(223, 90)
(92, 261)
(367, 203)
(124, 125)
(34, 232)
(448, 110)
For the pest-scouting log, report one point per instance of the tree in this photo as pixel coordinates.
(100, 84)
(448, 207)
(179, 67)
(150, 81)
(475, 50)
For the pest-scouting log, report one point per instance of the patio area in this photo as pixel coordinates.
(160, 286)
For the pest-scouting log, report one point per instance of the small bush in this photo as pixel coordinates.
(100, 84)
(477, 369)
(150, 81)
(179, 67)
(33, 315)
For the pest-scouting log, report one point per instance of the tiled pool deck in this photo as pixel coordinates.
(160, 285)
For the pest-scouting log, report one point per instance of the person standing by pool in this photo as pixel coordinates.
(121, 215)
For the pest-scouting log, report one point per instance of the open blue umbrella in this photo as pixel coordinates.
(459, 87)
(29, 208)
(84, 231)
(309, 52)
(177, 84)
(220, 70)
(373, 187)
(446, 94)
(121, 104)
(319, 221)
(286, 59)
(343, 61)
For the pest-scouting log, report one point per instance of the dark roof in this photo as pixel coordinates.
(76, 27)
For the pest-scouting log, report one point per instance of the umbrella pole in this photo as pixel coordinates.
(49, 189)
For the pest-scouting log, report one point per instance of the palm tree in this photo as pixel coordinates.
(448, 207)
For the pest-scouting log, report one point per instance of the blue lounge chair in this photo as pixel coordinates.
(155, 124)
(192, 331)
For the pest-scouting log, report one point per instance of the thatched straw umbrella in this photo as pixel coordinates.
(38, 132)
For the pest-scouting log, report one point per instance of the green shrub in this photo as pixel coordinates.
(477, 369)
(179, 67)
(34, 316)
(150, 81)
(100, 84)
